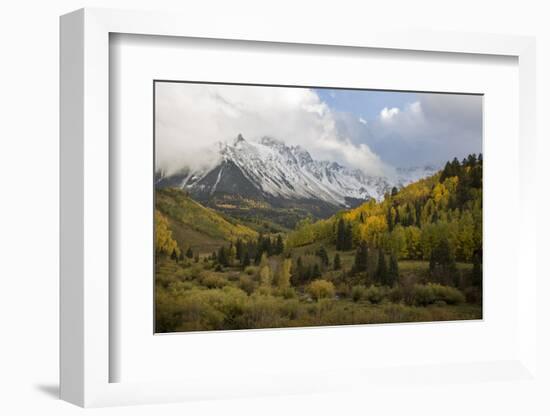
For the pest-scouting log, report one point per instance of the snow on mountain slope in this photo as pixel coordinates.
(274, 170)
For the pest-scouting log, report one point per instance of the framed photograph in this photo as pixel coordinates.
(280, 214)
(332, 207)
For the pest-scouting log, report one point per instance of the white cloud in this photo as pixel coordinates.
(362, 121)
(191, 118)
(415, 108)
(388, 113)
(430, 130)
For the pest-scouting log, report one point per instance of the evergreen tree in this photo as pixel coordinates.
(298, 273)
(239, 249)
(231, 254)
(222, 256)
(197, 258)
(462, 189)
(381, 269)
(174, 255)
(442, 263)
(432, 263)
(189, 253)
(362, 218)
(393, 271)
(323, 255)
(267, 247)
(279, 245)
(389, 219)
(397, 220)
(337, 262)
(455, 167)
(181, 256)
(394, 191)
(246, 260)
(476, 177)
(348, 237)
(340, 234)
(361, 258)
(446, 172)
(418, 210)
(409, 218)
(316, 273)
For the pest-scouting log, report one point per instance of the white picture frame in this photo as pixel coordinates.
(85, 219)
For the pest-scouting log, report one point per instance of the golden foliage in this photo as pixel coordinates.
(164, 243)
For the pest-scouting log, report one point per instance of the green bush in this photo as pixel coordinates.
(251, 270)
(395, 294)
(423, 295)
(433, 292)
(375, 294)
(447, 294)
(358, 293)
(286, 292)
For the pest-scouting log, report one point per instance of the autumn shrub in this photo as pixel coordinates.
(262, 312)
(195, 310)
(247, 284)
(232, 304)
(167, 317)
(291, 309)
(343, 290)
(286, 292)
(320, 289)
(212, 280)
(233, 276)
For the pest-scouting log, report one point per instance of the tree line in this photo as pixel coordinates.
(412, 222)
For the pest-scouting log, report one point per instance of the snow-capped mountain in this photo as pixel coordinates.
(271, 170)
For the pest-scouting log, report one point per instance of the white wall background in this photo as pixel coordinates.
(29, 198)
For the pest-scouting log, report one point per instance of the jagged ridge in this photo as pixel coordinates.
(272, 170)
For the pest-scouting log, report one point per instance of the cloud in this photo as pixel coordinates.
(362, 121)
(430, 130)
(191, 118)
(388, 113)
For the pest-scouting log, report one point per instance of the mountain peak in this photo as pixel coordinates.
(239, 139)
(269, 168)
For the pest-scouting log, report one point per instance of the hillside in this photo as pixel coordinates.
(444, 209)
(195, 225)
